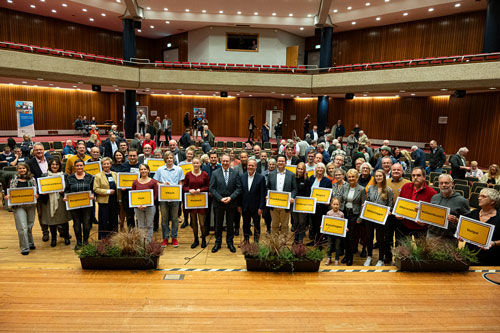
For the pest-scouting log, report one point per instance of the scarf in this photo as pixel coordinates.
(54, 197)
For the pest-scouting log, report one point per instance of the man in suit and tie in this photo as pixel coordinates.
(252, 199)
(209, 169)
(281, 180)
(225, 187)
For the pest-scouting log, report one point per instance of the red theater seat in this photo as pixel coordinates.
(301, 69)
(159, 64)
(265, 68)
(177, 64)
(493, 56)
(4, 44)
(101, 58)
(168, 64)
(90, 56)
(195, 65)
(204, 65)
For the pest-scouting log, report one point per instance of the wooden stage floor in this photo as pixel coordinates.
(48, 291)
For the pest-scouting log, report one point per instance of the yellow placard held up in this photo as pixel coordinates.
(155, 163)
(374, 212)
(186, 167)
(78, 200)
(92, 168)
(169, 192)
(125, 179)
(406, 208)
(21, 196)
(196, 201)
(322, 195)
(310, 173)
(334, 226)
(433, 214)
(50, 184)
(141, 198)
(278, 199)
(304, 205)
(474, 232)
(292, 168)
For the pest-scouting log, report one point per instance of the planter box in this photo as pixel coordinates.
(119, 263)
(430, 266)
(256, 265)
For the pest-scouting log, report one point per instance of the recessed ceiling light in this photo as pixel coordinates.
(402, 91)
(378, 19)
(365, 95)
(273, 14)
(221, 12)
(301, 28)
(367, 4)
(349, 8)
(91, 19)
(353, 23)
(457, 5)
(187, 10)
(103, 14)
(387, 0)
(40, 79)
(204, 11)
(118, 1)
(256, 13)
(431, 9)
(237, 94)
(309, 15)
(9, 1)
(152, 26)
(24, 82)
(405, 14)
(64, 5)
(492, 88)
(117, 89)
(51, 84)
(250, 95)
(239, 13)
(32, 6)
(165, 9)
(291, 14)
(167, 22)
(139, 30)
(42, 0)
(84, 9)
(148, 8)
(74, 86)
(335, 10)
(54, 11)
(444, 89)
(412, 94)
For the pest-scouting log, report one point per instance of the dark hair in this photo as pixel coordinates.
(79, 161)
(145, 165)
(11, 143)
(132, 150)
(58, 162)
(419, 168)
(277, 158)
(114, 156)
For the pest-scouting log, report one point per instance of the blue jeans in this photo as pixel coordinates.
(25, 218)
(169, 212)
(145, 220)
(429, 170)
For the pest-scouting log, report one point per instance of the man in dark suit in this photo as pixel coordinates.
(281, 180)
(225, 187)
(291, 159)
(418, 156)
(315, 133)
(179, 155)
(185, 140)
(110, 146)
(252, 199)
(262, 164)
(210, 168)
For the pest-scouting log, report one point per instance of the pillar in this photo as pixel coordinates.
(129, 49)
(325, 60)
(491, 41)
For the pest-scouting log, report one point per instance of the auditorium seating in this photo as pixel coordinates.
(477, 187)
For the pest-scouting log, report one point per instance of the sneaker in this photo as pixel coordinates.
(175, 243)
(165, 242)
(380, 263)
(336, 262)
(328, 261)
(368, 261)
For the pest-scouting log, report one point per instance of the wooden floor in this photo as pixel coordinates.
(47, 291)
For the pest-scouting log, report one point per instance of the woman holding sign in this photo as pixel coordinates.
(80, 181)
(145, 214)
(197, 181)
(107, 196)
(319, 180)
(489, 202)
(380, 194)
(352, 198)
(303, 190)
(24, 215)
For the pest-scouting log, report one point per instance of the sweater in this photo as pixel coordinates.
(458, 206)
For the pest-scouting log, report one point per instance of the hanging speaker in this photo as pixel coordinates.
(349, 96)
(96, 87)
(223, 94)
(460, 93)
(137, 24)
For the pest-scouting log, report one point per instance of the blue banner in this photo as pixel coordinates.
(25, 122)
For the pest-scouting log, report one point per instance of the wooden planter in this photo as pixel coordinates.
(256, 265)
(430, 266)
(109, 263)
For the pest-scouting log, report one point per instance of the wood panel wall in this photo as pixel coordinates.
(179, 41)
(442, 36)
(32, 29)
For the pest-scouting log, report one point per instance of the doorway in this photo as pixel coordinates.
(271, 118)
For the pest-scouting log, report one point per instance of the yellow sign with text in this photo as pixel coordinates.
(475, 232)
(155, 163)
(78, 200)
(141, 198)
(292, 168)
(21, 196)
(433, 214)
(196, 201)
(375, 213)
(170, 193)
(50, 184)
(406, 208)
(125, 180)
(310, 173)
(304, 205)
(278, 199)
(334, 226)
(322, 195)
(186, 167)
(92, 168)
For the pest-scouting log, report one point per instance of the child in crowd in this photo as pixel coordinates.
(334, 242)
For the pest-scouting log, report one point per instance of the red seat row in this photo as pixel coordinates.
(235, 67)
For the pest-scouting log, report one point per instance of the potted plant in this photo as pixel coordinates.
(122, 250)
(276, 255)
(432, 255)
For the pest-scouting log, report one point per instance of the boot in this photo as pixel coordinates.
(195, 243)
(203, 242)
(53, 242)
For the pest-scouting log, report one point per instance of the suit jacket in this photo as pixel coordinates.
(180, 155)
(208, 169)
(108, 150)
(259, 167)
(456, 163)
(255, 198)
(240, 170)
(101, 186)
(289, 186)
(219, 189)
(359, 197)
(34, 168)
(419, 157)
(295, 160)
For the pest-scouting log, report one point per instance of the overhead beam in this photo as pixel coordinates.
(323, 17)
(133, 11)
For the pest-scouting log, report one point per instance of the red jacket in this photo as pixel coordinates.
(151, 143)
(424, 194)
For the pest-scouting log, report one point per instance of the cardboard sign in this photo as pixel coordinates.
(277, 199)
(169, 192)
(155, 163)
(334, 226)
(304, 205)
(474, 232)
(92, 168)
(51, 184)
(375, 213)
(292, 168)
(21, 196)
(310, 173)
(196, 201)
(186, 167)
(322, 195)
(140, 198)
(78, 200)
(125, 179)
(433, 214)
(406, 208)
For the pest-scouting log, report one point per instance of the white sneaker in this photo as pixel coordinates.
(368, 261)
(380, 263)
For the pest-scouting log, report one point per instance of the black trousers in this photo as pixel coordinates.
(108, 217)
(81, 224)
(220, 211)
(321, 210)
(370, 232)
(267, 218)
(142, 128)
(129, 212)
(248, 217)
(390, 228)
(251, 135)
(208, 221)
(156, 218)
(237, 217)
(63, 230)
(351, 239)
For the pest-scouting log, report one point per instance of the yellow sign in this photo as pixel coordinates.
(304, 205)
(374, 212)
(334, 226)
(292, 168)
(21, 196)
(169, 192)
(78, 200)
(310, 173)
(140, 198)
(433, 214)
(196, 201)
(125, 179)
(50, 184)
(186, 167)
(406, 208)
(155, 163)
(474, 232)
(322, 195)
(278, 199)
(92, 168)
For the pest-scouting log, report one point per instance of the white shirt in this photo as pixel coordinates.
(114, 147)
(288, 161)
(250, 181)
(44, 167)
(315, 135)
(350, 197)
(280, 180)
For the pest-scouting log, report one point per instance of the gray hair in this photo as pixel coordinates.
(445, 175)
(319, 165)
(493, 194)
(322, 145)
(271, 160)
(367, 165)
(414, 147)
(463, 149)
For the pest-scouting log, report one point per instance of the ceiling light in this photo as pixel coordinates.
(378, 19)
(301, 28)
(291, 14)
(40, 79)
(405, 14)
(148, 8)
(9, 1)
(64, 5)
(256, 13)
(24, 82)
(51, 84)
(239, 13)
(118, 1)
(335, 10)
(84, 9)
(365, 95)
(396, 95)
(431, 9)
(139, 30)
(349, 8)
(32, 6)
(167, 22)
(402, 91)
(457, 5)
(367, 4)
(492, 88)
(221, 12)
(54, 11)
(91, 19)
(187, 10)
(152, 26)
(387, 0)
(165, 9)
(169, 44)
(103, 14)
(74, 86)
(204, 11)
(117, 89)
(309, 15)
(444, 89)
(273, 14)
(353, 23)
(250, 95)
(412, 94)
(42, 0)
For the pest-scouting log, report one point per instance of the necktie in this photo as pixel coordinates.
(226, 176)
